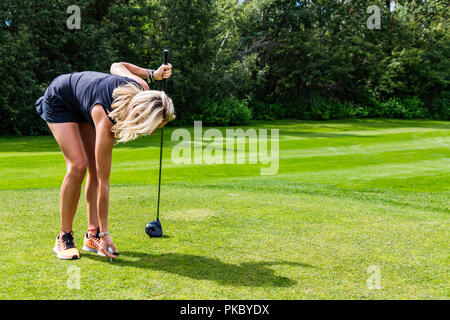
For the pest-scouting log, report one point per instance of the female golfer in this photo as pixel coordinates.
(87, 112)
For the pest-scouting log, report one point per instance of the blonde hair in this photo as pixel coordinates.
(138, 112)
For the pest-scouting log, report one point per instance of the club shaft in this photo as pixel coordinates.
(166, 53)
(160, 167)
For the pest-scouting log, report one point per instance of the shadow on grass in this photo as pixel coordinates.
(309, 134)
(287, 128)
(48, 143)
(252, 274)
(352, 124)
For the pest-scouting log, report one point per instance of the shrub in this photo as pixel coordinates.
(270, 111)
(321, 108)
(308, 108)
(229, 111)
(440, 107)
(408, 108)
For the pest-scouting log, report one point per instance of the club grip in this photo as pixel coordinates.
(166, 56)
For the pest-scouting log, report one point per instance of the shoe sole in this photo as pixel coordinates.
(74, 257)
(89, 249)
(101, 254)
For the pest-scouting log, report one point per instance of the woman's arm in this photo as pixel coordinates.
(104, 143)
(129, 70)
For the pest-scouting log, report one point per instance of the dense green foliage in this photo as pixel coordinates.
(323, 62)
(230, 111)
(288, 59)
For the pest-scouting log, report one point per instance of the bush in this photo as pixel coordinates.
(320, 108)
(316, 107)
(440, 107)
(272, 111)
(308, 108)
(408, 108)
(326, 109)
(230, 111)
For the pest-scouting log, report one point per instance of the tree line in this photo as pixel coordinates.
(237, 60)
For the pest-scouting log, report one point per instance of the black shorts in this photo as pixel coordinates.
(53, 111)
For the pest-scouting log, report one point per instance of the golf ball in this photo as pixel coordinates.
(110, 251)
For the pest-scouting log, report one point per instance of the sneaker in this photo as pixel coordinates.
(91, 243)
(65, 247)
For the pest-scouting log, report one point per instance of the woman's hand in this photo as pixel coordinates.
(163, 72)
(105, 243)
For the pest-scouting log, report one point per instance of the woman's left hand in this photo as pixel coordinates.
(163, 72)
(106, 243)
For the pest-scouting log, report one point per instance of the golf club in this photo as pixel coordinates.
(154, 228)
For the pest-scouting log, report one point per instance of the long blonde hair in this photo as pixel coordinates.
(138, 112)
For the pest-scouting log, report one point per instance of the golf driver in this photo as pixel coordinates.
(154, 228)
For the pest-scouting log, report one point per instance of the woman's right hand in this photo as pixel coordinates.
(163, 72)
(105, 243)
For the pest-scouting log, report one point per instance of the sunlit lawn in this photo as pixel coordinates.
(349, 197)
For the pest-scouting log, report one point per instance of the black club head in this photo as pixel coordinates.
(154, 229)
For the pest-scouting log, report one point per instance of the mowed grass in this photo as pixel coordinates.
(351, 198)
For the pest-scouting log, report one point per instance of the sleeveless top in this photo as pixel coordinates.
(79, 92)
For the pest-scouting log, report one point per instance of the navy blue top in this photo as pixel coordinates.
(81, 91)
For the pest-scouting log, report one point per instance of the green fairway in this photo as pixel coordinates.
(350, 197)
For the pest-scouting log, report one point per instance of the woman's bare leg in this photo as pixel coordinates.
(87, 133)
(69, 140)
